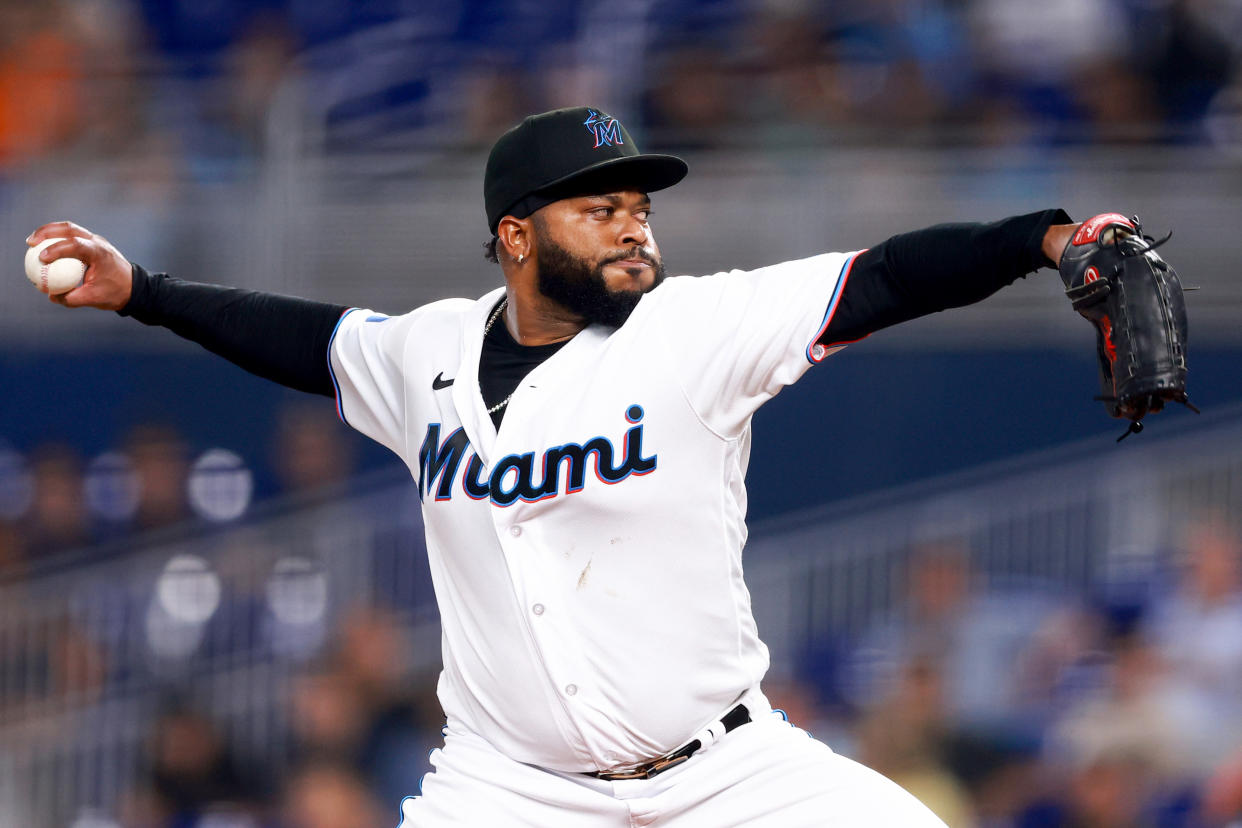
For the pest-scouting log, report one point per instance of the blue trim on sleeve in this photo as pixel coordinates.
(842, 278)
(336, 386)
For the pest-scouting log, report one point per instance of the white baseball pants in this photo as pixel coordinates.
(765, 774)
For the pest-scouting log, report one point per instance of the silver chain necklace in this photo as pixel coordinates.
(486, 330)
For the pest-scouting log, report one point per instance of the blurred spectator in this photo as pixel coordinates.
(948, 665)
(796, 82)
(406, 719)
(328, 716)
(1054, 75)
(1062, 659)
(1222, 798)
(160, 461)
(1197, 629)
(974, 636)
(1223, 121)
(1136, 716)
(1187, 50)
(327, 794)
(112, 108)
(195, 776)
(12, 551)
(142, 807)
(16, 491)
(56, 520)
(112, 490)
(369, 711)
(495, 96)
(1126, 751)
(41, 77)
(76, 662)
(1110, 792)
(877, 69)
(691, 101)
(387, 77)
(900, 63)
(257, 64)
(904, 737)
(192, 36)
(312, 449)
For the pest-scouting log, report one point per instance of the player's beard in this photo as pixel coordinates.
(581, 288)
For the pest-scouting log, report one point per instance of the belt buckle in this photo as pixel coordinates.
(646, 771)
(661, 765)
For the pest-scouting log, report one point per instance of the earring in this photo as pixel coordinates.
(521, 258)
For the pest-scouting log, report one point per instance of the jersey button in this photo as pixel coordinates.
(516, 531)
(571, 689)
(537, 609)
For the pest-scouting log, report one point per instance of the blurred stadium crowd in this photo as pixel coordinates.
(1002, 702)
(998, 704)
(185, 84)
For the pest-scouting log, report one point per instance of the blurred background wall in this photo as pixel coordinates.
(214, 607)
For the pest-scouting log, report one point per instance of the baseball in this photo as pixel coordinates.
(59, 276)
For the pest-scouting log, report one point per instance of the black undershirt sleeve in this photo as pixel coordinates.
(945, 266)
(280, 338)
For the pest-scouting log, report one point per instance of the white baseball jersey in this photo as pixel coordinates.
(587, 557)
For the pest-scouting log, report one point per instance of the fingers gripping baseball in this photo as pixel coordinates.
(58, 230)
(109, 276)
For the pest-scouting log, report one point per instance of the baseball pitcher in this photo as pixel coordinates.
(580, 438)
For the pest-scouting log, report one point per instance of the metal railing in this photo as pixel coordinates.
(229, 619)
(1091, 517)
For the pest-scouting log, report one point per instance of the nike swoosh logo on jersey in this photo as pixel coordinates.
(440, 382)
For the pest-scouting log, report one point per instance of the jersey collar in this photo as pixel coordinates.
(467, 396)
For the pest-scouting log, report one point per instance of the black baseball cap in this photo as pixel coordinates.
(565, 153)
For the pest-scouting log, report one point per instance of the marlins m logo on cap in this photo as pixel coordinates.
(605, 128)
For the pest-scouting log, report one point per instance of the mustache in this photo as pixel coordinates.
(637, 252)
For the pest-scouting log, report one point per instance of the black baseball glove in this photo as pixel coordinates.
(1114, 277)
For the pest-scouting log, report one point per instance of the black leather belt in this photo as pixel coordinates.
(732, 720)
